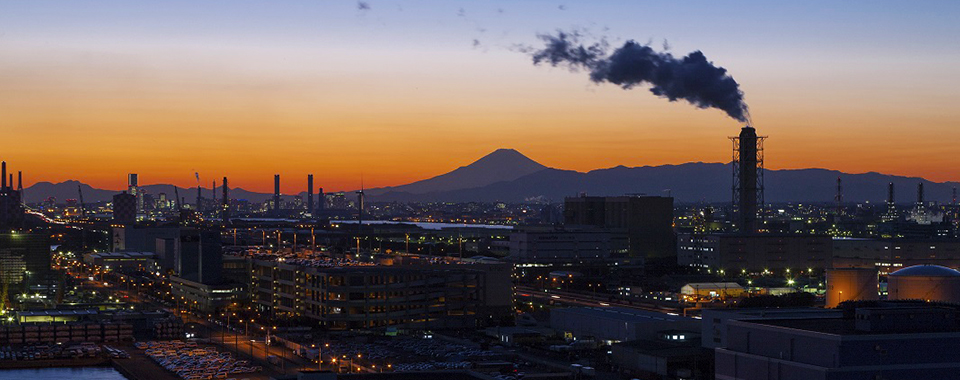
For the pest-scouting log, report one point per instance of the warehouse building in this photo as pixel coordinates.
(614, 324)
(886, 342)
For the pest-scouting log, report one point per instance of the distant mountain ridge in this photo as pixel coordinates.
(506, 175)
(501, 165)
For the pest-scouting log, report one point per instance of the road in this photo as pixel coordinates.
(580, 299)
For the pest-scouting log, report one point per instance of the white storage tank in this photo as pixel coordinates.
(852, 284)
(925, 282)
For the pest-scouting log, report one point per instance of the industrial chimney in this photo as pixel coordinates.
(276, 192)
(226, 200)
(310, 193)
(748, 177)
(3, 175)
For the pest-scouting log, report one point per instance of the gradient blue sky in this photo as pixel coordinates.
(399, 92)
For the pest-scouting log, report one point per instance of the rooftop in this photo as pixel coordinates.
(624, 314)
(927, 271)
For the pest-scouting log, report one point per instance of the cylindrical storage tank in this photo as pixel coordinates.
(925, 282)
(852, 284)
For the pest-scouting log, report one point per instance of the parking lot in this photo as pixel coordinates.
(191, 362)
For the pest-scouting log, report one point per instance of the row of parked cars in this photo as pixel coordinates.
(52, 351)
(191, 362)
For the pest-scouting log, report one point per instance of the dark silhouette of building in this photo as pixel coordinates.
(310, 209)
(887, 342)
(225, 211)
(24, 258)
(11, 206)
(125, 208)
(276, 193)
(199, 256)
(647, 220)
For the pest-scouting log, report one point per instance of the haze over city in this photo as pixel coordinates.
(402, 91)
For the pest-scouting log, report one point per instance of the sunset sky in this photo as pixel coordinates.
(92, 90)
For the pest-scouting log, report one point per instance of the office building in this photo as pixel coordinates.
(347, 295)
(647, 220)
(198, 256)
(24, 258)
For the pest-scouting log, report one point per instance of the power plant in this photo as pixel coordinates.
(748, 178)
(11, 205)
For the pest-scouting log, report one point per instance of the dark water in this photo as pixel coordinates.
(80, 373)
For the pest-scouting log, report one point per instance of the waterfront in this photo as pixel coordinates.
(78, 373)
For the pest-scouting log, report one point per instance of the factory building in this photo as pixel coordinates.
(127, 262)
(888, 255)
(715, 321)
(349, 295)
(893, 342)
(566, 246)
(11, 204)
(736, 252)
(614, 324)
(721, 290)
(647, 220)
(851, 284)
(926, 283)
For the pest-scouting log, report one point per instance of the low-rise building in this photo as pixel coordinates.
(206, 298)
(737, 252)
(567, 246)
(126, 262)
(615, 324)
(896, 342)
(349, 295)
(712, 290)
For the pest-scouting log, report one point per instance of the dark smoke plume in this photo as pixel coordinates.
(692, 78)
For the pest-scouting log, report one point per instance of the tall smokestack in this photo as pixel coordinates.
(20, 182)
(213, 193)
(748, 179)
(839, 196)
(920, 194)
(199, 196)
(226, 194)
(3, 175)
(321, 201)
(276, 192)
(890, 200)
(310, 193)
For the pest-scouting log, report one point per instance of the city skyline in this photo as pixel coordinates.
(406, 91)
